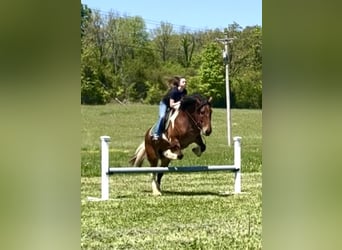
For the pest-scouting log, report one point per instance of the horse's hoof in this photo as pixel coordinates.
(197, 151)
(156, 193)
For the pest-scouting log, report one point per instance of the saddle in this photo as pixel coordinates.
(170, 115)
(166, 120)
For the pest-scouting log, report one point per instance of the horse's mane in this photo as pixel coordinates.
(188, 101)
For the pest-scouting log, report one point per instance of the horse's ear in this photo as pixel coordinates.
(210, 99)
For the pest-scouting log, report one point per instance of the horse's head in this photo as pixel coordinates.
(199, 110)
(204, 112)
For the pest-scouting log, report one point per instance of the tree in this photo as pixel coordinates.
(119, 59)
(85, 18)
(162, 39)
(187, 47)
(211, 76)
(96, 77)
(245, 68)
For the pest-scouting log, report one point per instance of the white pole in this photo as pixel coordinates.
(225, 41)
(229, 130)
(104, 167)
(237, 164)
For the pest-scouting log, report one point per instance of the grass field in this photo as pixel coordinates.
(192, 213)
(127, 124)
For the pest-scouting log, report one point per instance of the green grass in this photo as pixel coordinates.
(127, 124)
(193, 212)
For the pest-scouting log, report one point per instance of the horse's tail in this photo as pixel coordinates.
(139, 156)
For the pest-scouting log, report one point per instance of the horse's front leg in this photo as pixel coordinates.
(200, 146)
(174, 151)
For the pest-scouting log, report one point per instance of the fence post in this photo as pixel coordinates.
(104, 167)
(237, 164)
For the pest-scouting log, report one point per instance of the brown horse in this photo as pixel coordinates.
(186, 126)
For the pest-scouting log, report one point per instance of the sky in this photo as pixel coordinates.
(193, 14)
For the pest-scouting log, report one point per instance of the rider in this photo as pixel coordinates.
(170, 100)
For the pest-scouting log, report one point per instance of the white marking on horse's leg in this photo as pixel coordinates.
(168, 154)
(197, 151)
(155, 190)
(155, 186)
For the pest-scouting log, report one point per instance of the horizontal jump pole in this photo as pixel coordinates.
(106, 171)
(125, 170)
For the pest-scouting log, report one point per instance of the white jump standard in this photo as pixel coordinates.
(106, 170)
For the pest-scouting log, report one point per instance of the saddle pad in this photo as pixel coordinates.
(171, 116)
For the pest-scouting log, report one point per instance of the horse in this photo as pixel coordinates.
(186, 126)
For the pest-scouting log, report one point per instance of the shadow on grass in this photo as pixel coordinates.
(191, 193)
(168, 193)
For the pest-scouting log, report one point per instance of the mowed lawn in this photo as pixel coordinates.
(196, 211)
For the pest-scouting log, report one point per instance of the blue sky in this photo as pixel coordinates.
(194, 15)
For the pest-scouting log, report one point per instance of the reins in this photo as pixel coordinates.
(191, 117)
(193, 120)
(196, 123)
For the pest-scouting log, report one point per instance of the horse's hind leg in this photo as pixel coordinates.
(155, 185)
(159, 177)
(152, 157)
(164, 163)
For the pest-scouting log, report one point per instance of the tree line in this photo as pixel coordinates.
(121, 60)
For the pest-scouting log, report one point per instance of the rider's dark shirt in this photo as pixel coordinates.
(174, 94)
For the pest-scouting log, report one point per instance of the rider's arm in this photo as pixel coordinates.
(174, 104)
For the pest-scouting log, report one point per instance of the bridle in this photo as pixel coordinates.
(196, 123)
